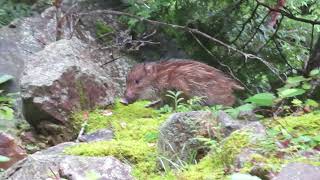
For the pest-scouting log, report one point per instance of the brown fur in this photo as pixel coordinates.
(151, 80)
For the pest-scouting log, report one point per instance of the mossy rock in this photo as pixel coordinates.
(136, 132)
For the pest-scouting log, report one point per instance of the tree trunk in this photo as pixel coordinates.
(314, 60)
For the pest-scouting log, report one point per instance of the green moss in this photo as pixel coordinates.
(222, 157)
(308, 124)
(288, 129)
(82, 95)
(132, 121)
(270, 163)
(136, 131)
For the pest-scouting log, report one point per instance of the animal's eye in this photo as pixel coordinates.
(137, 81)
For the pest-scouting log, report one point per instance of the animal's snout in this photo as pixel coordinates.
(124, 101)
(128, 98)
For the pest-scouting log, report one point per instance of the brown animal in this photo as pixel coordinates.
(151, 80)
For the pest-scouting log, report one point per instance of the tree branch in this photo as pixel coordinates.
(245, 23)
(220, 63)
(256, 30)
(289, 15)
(272, 37)
(195, 31)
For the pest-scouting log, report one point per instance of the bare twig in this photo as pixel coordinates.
(245, 23)
(195, 31)
(289, 15)
(54, 174)
(281, 54)
(149, 35)
(83, 126)
(256, 30)
(220, 63)
(272, 37)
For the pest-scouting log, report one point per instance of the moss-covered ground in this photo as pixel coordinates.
(136, 131)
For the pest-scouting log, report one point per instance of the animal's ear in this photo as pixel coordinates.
(149, 68)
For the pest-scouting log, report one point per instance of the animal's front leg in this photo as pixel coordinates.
(154, 103)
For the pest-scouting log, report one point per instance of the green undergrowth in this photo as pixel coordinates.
(136, 131)
(222, 157)
(296, 132)
(294, 135)
(300, 132)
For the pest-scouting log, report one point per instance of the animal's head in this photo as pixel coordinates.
(139, 83)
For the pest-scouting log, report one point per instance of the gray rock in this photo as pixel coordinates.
(299, 171)
(257, 130)
(66, 77)
(55, 150)
(58, 80)
(257, 133)
(229, 124)
(247, 116)
(239, 176)
(27, 36)
(62, 79)
(17, 41)
(243, 157)
(178, 135)
(23, 38)
(100, 135)
(53, 164)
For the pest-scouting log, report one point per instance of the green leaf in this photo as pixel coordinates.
(6, 113)
(4, 159)
(296, 102)
(262, 99)
(246, 107)
(314, 72)
(5, 78)
(291, 92)
(238, 176)
(306, 86)
(234, 112)
(312, 103)
(316, 138)
(296, 79)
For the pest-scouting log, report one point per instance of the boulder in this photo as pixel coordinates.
(64, 78)
(10, 148)
(17, 41)
(257, 130)
(299, 171)
(52, 164)
(24, 37)
(99, 135)
(59, 80)
(228, 124)
(257, 133)
(178, 135)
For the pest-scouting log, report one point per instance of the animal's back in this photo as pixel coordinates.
(197, 79)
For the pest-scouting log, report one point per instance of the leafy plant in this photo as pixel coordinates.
(179, 104)
(175, 96)
(9, 10)
(6, 111)
(294, 87)
(262, 99)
